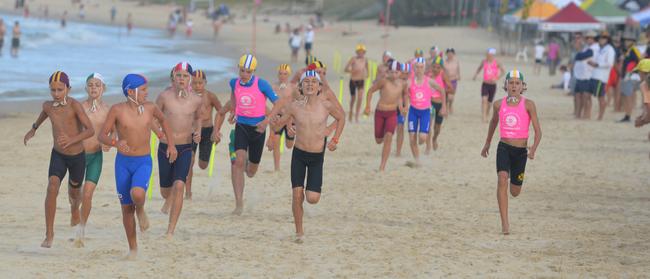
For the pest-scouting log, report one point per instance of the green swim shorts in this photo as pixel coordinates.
(94, 166)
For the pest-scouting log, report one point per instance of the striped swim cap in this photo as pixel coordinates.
(284, 67)
(419, 60)
(60, 76)
(394, 66)
(406, 67)
(492, 51)
(439, 61)
(309, 73)
(515, 74)
(97, 76)
(183, 66)
(419, 52)
(200, 74)
(132, 81)
(248, 62)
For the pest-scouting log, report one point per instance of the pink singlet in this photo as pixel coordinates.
(515, 121)
(250, 101)
(420, 94)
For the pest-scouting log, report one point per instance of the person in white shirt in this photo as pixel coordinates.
(309, 39)
(602, 62)
(583, 71)
(295, 41)
(539, 56)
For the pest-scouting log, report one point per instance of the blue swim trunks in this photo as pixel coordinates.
(421, 118)
(400, 118)
(130, 172)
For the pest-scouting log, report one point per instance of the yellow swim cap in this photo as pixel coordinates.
(284, 67)
(361, 47)
(248, 62)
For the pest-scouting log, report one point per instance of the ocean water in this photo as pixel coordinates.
(83, 48)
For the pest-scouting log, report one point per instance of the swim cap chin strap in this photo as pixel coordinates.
(93, 107)
(140, 107)
(62, 103)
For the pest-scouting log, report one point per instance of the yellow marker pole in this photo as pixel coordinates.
(281, 143)
(153, 144)
(341, 90)
(211, 163)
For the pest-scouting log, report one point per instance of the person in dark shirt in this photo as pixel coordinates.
(631, 80)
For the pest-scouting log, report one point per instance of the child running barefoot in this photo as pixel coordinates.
(97, 111)
(514, 114)
(70, 126)
(404, 76)
(132, 119)
(210, 102)
(358, 68)
(310, 114)
(284, 89)
(421, 90)
(438, 103)
(390, 97)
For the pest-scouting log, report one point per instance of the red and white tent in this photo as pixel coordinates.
(571, 19)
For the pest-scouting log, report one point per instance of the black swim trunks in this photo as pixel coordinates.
(512, 159)
(75, 164)
(286, 133)
(15, 42)
(247, 138)
(307, 164)
(179, 169)
(355, 85)
(436, 112)
(488, 90)
(205, 146)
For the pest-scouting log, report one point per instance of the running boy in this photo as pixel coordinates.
(404, 76)
(210, 101)
(438, 102)
(70, 126)
(358, 68)
(132, 119)
(310, 115)
(514, 114)
(390, 97)
(285, 89)
(96, 110)
(182, 109)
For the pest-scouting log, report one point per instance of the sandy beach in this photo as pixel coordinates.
(583, 211)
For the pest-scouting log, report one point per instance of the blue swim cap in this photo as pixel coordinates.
(132, 81)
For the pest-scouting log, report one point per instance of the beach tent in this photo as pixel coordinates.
(571, 19)
(538, 11)
(604, 11)
(562, 3)
(641, 17)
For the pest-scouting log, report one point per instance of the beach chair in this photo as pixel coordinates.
(523, 54)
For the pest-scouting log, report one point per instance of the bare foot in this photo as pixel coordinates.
(131, 256)
(74, 218)
(169, 236)
(79, 243)
(238, 211)
(505, 230)
(435, 145)
(188, 196)
(165, 208)
(143, 221)
(47, 243)
(300, 238)
(412, 164)
(427, 151)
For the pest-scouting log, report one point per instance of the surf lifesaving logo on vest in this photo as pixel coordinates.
(419, 95)
(246, 101)
(511, 120)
